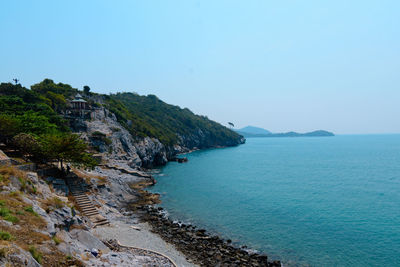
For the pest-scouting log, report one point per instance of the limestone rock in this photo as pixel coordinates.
(89, 240)
(16, 256)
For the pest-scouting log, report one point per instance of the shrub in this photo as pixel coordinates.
(53, 203)
(5, 235)
(30, 210)
(4, 211)
(36, 254)
(11, 218)
(58, 203)
(98, 134)
(107, 141)
(23, 183)
(56, 240)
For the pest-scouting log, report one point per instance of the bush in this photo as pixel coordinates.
(53, 203)
(58, 203)
(98, 134)
(30, 210)
(4, 211)
(107, 140)
(101, 136)
(56, 240)
(11, 218)
(36, 254)
(5, 236)
(20, 212)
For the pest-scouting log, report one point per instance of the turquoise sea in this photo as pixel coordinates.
(324, 201)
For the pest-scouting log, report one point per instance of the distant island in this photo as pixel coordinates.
(252, 131)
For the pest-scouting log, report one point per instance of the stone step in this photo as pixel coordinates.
(88, 209)
(83, 201)
(101, 220)
(81, 197)
(80, 203)
(85, 205)
(76, 194)
(102, 223)
(91, 213)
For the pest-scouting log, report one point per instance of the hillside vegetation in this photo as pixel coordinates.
(149, 116)
(37, 113)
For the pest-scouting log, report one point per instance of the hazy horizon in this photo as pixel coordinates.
(283, 66)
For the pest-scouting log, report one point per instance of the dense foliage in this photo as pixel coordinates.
(30, 122)
(149, 116)
(37, 112)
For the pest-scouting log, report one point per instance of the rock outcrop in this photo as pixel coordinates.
(110, 138)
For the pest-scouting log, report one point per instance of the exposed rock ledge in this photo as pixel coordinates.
(114, 142)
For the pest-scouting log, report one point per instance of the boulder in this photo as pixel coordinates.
(89, 240)
(16, 256)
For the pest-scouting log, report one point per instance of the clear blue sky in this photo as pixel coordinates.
(282, 65)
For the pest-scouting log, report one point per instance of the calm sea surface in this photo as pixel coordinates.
(329, 201)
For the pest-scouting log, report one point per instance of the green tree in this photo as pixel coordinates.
(32, 122)
(58, 102)
(65, 148)
(28, 145)
(86, 90)
(8, 128)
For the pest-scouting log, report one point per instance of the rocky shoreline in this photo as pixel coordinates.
(198, 245)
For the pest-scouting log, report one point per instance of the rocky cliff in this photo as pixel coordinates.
(103, 132)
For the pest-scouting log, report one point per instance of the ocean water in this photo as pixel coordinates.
(329, 201)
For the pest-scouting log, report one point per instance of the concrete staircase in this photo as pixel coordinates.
(78, 189)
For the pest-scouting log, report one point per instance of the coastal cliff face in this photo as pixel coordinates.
(104, 133)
